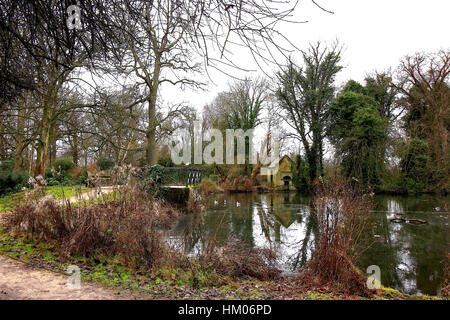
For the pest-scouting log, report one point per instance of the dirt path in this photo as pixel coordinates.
(20, 281)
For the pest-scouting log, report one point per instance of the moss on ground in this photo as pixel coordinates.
(166, 282)
(9, 201)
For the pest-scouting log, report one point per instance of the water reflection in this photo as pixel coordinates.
(410, 256)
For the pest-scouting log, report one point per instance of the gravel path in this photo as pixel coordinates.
(20, 281)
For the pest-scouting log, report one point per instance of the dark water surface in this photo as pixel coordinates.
(410, 256)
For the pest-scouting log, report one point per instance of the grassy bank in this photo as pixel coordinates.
(9, 201)
(120, 242)
(170, 282)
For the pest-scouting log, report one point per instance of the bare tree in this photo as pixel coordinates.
(39, 34)
(165, 41)
(424, 80)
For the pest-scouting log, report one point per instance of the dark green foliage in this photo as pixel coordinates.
(105, 163)
(54, 178)
(151, 178)
(83, 177)
(305, 94)
(141, 162)
(415, 165)
(64, 165)
(6, 166)
(354, 86)
(166, 161)
(10, 181)
(380, 88)
(301, 174)
(358, 132)
(60, 172)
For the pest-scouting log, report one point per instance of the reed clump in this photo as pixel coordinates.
(342, 212)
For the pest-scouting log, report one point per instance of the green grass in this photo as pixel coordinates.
(68, 192)
(164, 282)
(9, 201)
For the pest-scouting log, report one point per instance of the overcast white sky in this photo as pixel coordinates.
(375, 34)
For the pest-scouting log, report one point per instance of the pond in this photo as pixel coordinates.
(410, 256)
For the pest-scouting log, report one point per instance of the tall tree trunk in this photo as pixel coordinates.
(312, 163)
(320, 155)
(31, 157)
(42, 149)
(46, 135)
(54, 147)
(18, 162)
(2, 143)
(151, 153)
(75, 148)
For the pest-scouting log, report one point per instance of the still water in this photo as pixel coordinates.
(410, 256)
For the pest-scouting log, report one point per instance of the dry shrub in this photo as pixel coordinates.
(445, 290)
(130, 227)
(227, 185)
(92, 167)
(208, 186)
(342, 212)
(238, 184)
(76, 172)
(195, 202)
(237, 259)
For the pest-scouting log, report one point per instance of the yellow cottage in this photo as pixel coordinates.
(282, 179)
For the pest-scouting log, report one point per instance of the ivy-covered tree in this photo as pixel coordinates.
(300, 178)
(357, 131)
(305, 95)
(415, 165)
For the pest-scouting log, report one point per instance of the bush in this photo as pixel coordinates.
(82, 178)
(76, 173)
(445, 290)
(12, 182)
(129, 227)
(92, 167)
(236, 171)
(65, 165)
(238, 259)
(342, 212)
(392, 182)
(239, 184)
(61, 172)
(164, 158)
(6, 166)
(209, 186)
(105, 163)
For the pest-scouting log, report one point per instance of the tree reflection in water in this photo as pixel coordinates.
(410, 256)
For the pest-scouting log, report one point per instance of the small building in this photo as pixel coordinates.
(282, 178)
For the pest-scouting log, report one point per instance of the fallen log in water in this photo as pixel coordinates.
(408, 220)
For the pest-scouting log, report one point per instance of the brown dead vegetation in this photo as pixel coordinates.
(342, 211)
(129, 226)
(237, 260)
(238, 184)
(445, 290)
